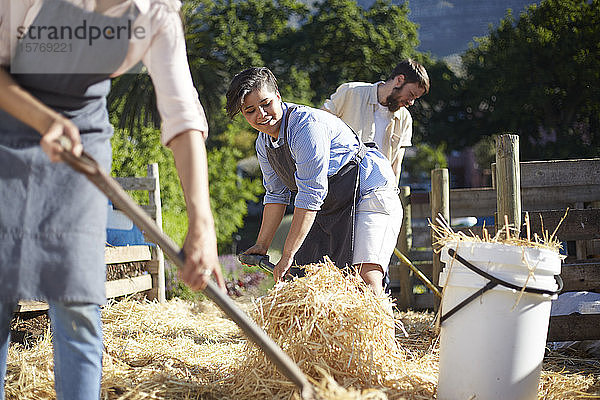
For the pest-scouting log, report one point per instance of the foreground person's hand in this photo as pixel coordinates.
(201, 261)
(53, 146)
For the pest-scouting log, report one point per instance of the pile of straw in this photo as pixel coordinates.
(125, 270)
(507, 234)
(176, 350)
(337, 330)
(334, 327)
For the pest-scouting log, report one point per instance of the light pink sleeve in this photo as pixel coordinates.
(166, 61)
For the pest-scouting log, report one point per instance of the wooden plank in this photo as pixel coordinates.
(116, 288)
(403, 244)
(123, 287)
(27, 306)
(123, 254)
(574, 327)
(152, 293)
(578, 224)
(421, 237)
(419, 204)
(580, 245)
(593, 247)
(155, 201)
(475, 202)
(560, 173)
(481, 202)
(137, 183)
(440, 208)
(423, 301)
(550, 198)
(150, 209)
(420, 255)
(581, 276)
(463, 203)
(427, 270)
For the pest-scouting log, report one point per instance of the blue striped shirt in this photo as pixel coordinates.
(320, 144)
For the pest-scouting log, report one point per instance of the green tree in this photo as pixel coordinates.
(340, 41)
(426, 158)
(222, 37)
(434, 113)
(538, 76)
(228, 193)
(130, 158)
(311, 53)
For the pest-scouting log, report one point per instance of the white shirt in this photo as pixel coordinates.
(382, 117)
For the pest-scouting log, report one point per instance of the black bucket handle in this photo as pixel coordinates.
(493, 282)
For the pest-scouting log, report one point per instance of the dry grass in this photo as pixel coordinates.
(336, 329)
(508, 234)
(332, 325)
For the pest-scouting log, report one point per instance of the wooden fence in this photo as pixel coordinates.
(544, 189)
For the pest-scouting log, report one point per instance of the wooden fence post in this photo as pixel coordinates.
(508, 182)
(154, 199)
(404, 244)
(440, 204)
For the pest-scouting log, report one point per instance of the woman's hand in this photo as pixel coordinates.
(257, 249)
(61, 127)
(282, 267)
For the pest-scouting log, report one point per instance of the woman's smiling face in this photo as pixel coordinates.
(263, 110)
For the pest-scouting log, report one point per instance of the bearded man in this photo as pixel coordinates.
(378, 112)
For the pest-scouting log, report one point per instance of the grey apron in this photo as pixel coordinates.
(52, 219)
(332, 233)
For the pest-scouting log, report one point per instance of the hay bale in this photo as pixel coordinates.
(125, 270)
(334, 327)
(176, 350)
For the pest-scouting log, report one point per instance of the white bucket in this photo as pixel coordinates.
(490, 349)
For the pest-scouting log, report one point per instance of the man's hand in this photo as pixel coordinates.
(201, 261)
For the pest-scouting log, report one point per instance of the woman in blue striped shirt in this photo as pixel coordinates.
(346, 201)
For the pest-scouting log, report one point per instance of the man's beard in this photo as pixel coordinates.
(392, 102)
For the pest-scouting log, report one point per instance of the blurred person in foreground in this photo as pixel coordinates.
(52, 219)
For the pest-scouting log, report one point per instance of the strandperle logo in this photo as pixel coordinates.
(59, 37)
(82, 31)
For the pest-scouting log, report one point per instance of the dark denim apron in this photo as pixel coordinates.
(52, 219)
(332, 233)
